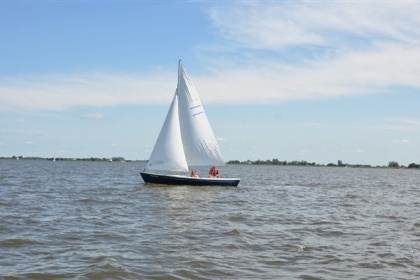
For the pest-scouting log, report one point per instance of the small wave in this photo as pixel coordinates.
(336, 232)
(71, 237)
(375, 264)
(232, 247)
(49, 257)
(191, 237)
(44, 276)
(234, 232)
(184, 273)
(108, 235)
(332, 259)
(236, 218)
(6, 203)
(11, 278)
(377, 244)
(199, 264)
(98, 222)
(303, 248)
(309, 277)
(17, 242)
(391, 217)
(329, 232)
(347, 204)
(396, 264)
(107, 268)
(321, 223)
(87, 200)
(404, 260)
(109, 272)
(274, 262)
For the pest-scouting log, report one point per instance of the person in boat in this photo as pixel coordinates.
(214, 173)
(193, 174)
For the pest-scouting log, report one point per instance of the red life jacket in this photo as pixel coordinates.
(214, 171)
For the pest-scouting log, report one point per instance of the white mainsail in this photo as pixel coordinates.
(200, 145)
(186, 138)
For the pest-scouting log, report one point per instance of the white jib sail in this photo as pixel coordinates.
(200, 145)
(168, 153)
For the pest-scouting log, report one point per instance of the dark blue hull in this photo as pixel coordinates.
(190, 181)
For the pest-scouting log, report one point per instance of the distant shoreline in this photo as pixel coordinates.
(391, 164)
(113, 159)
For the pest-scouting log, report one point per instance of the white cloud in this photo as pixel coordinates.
(281, 24)
(272, 52)
(304, 152)
(350, 74)
(311, 124)
(352, 151)
(307, 50)
(401, 124)
(401, 141)
(94, 116)
(261, 26)
(58, 92)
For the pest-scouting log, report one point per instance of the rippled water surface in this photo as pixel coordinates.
(97, 220)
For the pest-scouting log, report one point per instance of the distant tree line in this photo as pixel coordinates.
(273, 162)
(413, 165)
(391, 164)
(121, 159)
(395, 164)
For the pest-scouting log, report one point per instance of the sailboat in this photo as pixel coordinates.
(186, 140)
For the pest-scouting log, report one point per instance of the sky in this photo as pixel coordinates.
(319, 81)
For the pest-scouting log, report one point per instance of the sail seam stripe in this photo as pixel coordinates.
(195, 107)
(198, 114)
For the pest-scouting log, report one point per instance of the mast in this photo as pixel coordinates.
(179, 76)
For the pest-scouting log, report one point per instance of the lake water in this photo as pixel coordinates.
(97, 220)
